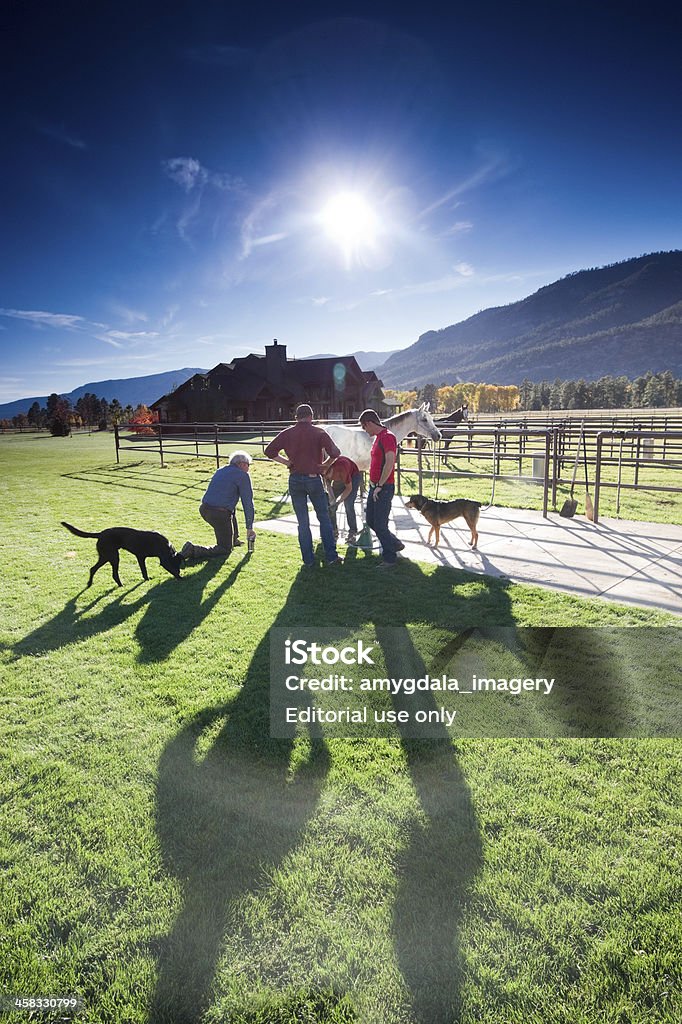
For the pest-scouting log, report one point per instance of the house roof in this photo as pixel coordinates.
(245, 377)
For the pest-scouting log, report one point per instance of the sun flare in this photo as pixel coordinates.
(350, 221)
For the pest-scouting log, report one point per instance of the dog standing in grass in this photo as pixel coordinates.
(437, 513)
(141, 543)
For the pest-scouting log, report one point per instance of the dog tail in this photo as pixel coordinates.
(79, 533)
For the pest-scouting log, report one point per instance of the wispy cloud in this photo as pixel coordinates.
(458, 228)
(492, 169)
(41, 318)
(195, 180)
(60, 133)
(81, 325)
(189, 173)
(446, 283)
(250, 231)
(168, 317)
(185, 171)
(269, 239)
(118, 337)
(130, 316)
(463, 275)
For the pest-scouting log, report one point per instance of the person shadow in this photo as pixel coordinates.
(442, 857)
(176, 612)
(233, 803)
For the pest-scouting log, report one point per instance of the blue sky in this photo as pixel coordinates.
(178, 189)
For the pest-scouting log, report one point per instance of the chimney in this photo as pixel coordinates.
(275, 361)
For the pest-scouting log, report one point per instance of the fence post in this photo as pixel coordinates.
(639, 450)
(196, 441)
(419, 465)
(546, 480)
(116, 440)
(217, 448)
(160, 445)
(555, 463)
(597, 476)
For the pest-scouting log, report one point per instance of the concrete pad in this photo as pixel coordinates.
(616, 559)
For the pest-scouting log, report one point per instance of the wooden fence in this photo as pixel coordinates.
(541, 449)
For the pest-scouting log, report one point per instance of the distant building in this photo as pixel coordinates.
(269, 387)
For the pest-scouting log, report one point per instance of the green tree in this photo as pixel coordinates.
(36, 415)
(526, 393)
(429, 394)
(654, 395)
(59, 415)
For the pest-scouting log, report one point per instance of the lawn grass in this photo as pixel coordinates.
(473, 480)
(520, 492)
(167, 860)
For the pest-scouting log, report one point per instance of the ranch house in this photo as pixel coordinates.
(269, 387)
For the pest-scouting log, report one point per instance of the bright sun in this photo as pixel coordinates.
(350, 221)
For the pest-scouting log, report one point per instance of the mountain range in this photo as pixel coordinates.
(145, 390)
(129, 391)
(365, 360)
(623, 319)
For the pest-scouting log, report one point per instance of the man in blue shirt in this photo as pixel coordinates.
(228, 485)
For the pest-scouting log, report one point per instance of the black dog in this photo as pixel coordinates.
(141, 543)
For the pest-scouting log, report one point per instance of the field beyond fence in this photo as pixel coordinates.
(629, 462)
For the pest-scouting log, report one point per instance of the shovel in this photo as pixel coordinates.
(570, 505)
(589, 507)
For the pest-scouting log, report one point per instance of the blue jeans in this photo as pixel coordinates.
(349, 503)
(376, 517)
(301, 488)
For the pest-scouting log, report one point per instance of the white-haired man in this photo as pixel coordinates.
(228, 485)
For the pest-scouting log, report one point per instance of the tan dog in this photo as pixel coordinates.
(437, 513)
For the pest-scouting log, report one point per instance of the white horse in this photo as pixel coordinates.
(355, 444)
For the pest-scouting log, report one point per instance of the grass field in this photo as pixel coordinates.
(473, 480)
(646, 505)
(167, 860)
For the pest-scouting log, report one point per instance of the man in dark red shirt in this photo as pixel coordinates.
(304, 445)
(381, 485)
(342, 480)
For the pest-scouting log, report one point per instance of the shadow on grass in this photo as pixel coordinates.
(442, 857)
(230, 808)
(233, 802)
(123, 475)
(77, 622)
(176, 612)
(165, 624)
(228, 811)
